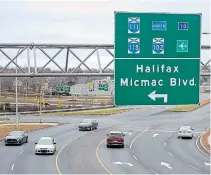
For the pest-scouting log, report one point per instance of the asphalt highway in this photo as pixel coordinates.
(151, 145)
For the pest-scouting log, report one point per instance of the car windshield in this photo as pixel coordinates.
(115, 135)
(86, 121)
(15, 133)
(185, 128)
(45, 142)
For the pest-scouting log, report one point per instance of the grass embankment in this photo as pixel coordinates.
(3, 119)
(188, 108)
(90, 112)
(6, 128)
(64, 100)
(204, 140)
(20, 100)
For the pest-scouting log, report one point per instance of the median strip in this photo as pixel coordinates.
(189, 108)
(91, 112)
(205, 140)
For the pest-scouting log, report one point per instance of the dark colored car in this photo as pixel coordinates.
(115, 138)
(16, 137)
(88, 124)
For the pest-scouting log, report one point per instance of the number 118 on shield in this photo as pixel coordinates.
(133, 45)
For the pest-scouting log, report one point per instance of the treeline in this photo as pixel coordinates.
(7, 83)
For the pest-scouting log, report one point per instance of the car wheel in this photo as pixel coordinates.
(178, 137)
(90, 128)
(108, 146)
(123, 146)
(6, 144)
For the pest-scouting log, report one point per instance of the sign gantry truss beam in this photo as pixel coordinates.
(33, 48)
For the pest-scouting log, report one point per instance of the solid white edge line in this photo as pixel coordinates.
(12, 166)
(21, 152)
(198, 145)
(170, 154)
(136, 137)
(135, 157)
(194, 167)
(153, 171)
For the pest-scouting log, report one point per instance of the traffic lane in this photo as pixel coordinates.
(27, 162)
(120, 160)
(187, 151)
(150, 151)
(200, 118)
(111, 120)
(79, 157)
(7, 156)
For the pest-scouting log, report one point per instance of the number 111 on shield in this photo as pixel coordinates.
(133, 25)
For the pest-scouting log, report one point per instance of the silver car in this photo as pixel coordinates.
(46, 145)
(185, 131)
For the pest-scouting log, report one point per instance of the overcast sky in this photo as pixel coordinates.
(82, 21)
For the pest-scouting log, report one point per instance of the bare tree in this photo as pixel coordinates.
(7, 83)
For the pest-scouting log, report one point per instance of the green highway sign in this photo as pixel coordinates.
(157, 58)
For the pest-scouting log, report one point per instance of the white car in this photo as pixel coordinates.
(46, 145)
(185, 131)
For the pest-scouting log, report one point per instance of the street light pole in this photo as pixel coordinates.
(16, 92)
(16, 95)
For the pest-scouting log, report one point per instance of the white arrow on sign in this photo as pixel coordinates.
(121, 163)
(166, 164)
(207, 164)
(155, 135)
(153, 96)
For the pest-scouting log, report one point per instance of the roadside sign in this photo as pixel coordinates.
(59, 104)
(157, 58)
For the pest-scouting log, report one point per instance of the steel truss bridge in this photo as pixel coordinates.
(32, 48)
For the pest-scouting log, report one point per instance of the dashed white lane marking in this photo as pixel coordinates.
(170, 135)
(21, 152)
(153, 171)
(170, 154)
(136, 137)
(135, 157)
(12, 166)
(164, 144)
(194, 167)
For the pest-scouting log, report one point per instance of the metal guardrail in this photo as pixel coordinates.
(58, 110)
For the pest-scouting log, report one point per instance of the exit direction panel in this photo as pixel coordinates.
(157, 58)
